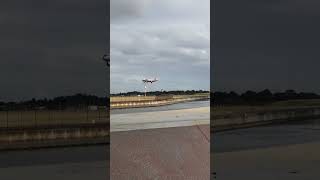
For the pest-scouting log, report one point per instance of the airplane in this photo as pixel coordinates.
(150, 80)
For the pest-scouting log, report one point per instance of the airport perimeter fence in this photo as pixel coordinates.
(36, 118)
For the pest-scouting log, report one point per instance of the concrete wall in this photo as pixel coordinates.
(221, 123)
(54, 136)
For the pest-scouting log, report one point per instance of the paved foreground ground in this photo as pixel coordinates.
(178, 153)
(293, 162)
(73, 163)
(278, 152)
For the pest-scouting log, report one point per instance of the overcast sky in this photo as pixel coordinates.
(52, 48)
(266, 44)
(167, 39)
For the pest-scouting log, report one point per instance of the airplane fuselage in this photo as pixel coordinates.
(149, 80)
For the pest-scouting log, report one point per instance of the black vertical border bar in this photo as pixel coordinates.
(108, 82)
(212, 60)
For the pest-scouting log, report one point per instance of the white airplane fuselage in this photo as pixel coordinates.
(150, 80)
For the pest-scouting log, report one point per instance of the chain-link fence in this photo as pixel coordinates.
(47, 118)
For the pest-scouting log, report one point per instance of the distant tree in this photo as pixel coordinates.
(264, 96)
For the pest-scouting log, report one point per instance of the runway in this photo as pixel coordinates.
(160, 119)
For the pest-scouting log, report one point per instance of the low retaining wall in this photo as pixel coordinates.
(54, 136)
(245, 120)
(135, 102)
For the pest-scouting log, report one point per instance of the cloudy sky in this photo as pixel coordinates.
(266, 44)
(167, 39)
(52, 48)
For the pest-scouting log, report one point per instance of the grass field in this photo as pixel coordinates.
(280, 105)
(48, 117)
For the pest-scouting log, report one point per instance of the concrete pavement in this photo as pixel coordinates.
(280, 152)
(70, 163)
(160, 119)
(178, 153)
(161, 145)
(292, 162)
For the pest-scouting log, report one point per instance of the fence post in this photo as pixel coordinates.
(49, 122)
(35, 118)
(20, 115)
(99, 114)
(7, 114)
(87, 114)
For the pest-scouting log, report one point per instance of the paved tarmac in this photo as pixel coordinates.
(178, 153)
(162, 153)
(165, 143)
(287, 151)
(292, 162)
(73, 163)
(160, 119)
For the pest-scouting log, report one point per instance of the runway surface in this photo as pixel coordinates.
(160, 119)
(74, 163)
(169, 143)
(287, 151)
(178, 153)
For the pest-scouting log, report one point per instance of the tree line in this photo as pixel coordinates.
(79, 100)
(258, 98)
(218, 98)
(57, 103)
(157, 93)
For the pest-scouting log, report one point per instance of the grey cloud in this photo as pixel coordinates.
(155, 44)
(122, 9)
